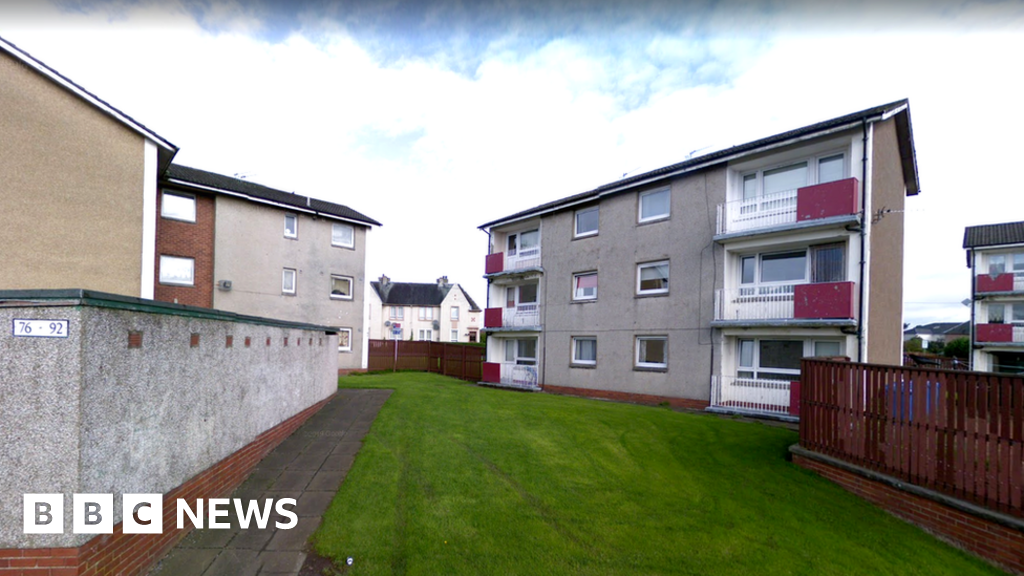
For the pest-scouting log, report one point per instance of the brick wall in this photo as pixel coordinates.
(995, 542)
(188, 240)
(134, 554)
(627, 397)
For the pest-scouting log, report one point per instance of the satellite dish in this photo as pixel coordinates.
(437, 324)
(387, 323)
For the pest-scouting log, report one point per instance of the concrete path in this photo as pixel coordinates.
(308, 466)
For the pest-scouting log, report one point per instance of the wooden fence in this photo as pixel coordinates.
(453, 359)
(958, 433)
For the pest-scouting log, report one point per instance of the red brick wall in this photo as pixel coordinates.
(189, 240)
(994, 542)
(133, 554)
(627, 397)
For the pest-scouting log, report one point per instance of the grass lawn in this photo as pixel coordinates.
(458, 479)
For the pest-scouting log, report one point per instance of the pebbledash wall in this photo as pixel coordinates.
(142, 397)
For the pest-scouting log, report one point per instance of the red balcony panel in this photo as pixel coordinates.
(997, 283)
(492, 318)
(492, 372)
(495, 263)
(837, 198)
(994, 333)
(823, 300)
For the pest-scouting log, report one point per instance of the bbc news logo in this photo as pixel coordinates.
(143, 513)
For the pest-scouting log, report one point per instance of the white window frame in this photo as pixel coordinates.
(426, 336)
(291, 233)
(636, 353)
(757, 287)
(1012, 313)
(348, 348)
(640, 205)
(813, 166)
(351, 287)
(181, 218)
(512, 344)
(514, 245)
(454, 337)
(576, 293)
(284, 281)
(668, 280)
(352, 235)
(396, 313)
(808, 350)
(454, 313)
(182, 259)
(426, 313)
(576, 222)
(575, 357)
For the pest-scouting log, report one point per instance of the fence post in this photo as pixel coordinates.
(394, 367)
(794, 398)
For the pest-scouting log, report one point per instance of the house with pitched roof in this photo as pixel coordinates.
(704, 283)
(995, 256)
(434, 312)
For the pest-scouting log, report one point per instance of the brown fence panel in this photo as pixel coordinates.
(459, 360)
(959, 433)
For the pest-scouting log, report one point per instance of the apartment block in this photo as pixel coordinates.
(705, 282)
(995, 255)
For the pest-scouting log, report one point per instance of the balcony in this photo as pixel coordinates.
(511, 375)
(828, 302)
(522, 316)
(525, 259)
(733, 394)
(994, 283)
(999, 334)
(806, 205)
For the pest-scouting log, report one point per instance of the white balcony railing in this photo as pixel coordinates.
(760, 212)
(524, 258)
(523, 315)
(750, 395)
(518, 376)
(761, 303)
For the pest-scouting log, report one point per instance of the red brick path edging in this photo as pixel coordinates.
(626, 397)
(120, 554)
(993, 541)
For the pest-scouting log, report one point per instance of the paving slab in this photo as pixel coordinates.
(309, 466)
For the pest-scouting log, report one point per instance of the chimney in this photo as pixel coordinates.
(442, 282)
(384, 280)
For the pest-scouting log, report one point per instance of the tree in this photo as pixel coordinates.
(913, 345)
(959, 348)
(936, 347)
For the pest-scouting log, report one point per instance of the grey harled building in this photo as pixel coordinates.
(705, 282)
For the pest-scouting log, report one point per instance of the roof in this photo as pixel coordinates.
(953, 328)
(994, 234)
(210, 181)
(166, 150)
(418, 294)
(900, 109)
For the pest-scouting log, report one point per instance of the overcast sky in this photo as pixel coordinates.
(435, 117)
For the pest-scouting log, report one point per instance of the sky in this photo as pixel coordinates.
(435, 117)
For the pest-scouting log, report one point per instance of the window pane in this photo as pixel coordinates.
(288, 281)
(178, 207)
(748, 265)
(510, 350)
(747, 353)
(512, 244)
(1018, 263)
(510, 297)
(345, 339)
(1018, 312)
(830, 169)
(586, 350)
(455, 336)
(654, 277)
(828, 263)
(586, 221)
(995, 314)
(342, 235)
(654, 204)
(527, 293)
(341, 287)
(527, 348)
(784, 267)
(781, 354)
(652, 351)
(177, 270)
(529, 239)
(997, 264)
(749, 186)
(455, 312)
(586, 286)
(788, 178)
(826, 349)
(291, 225)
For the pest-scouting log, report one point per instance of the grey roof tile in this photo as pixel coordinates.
(994, 234)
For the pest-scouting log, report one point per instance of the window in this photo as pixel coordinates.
(426, 335)
(584, 286)
(787, 179)
(455, 312)
(1006, 313)
(652, 352)
(345, 340)
(780, 359)
(584, 350)
(777, 273)
(524, 244)
(177, 271)
(291, 226)
(426, 313)
(472, 336)
(455, 336)
(341, 287)
(654, 205)
(652, 278)
(827, 349)
(522, 351)
(831, 169)
(1000, 263)
(523, 297)
(396, 313)
(828, 262)
(288, 281)
(586, 222)
(343, 235)
(178, 207)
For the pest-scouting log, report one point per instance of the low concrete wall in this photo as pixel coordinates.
(140, 396)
